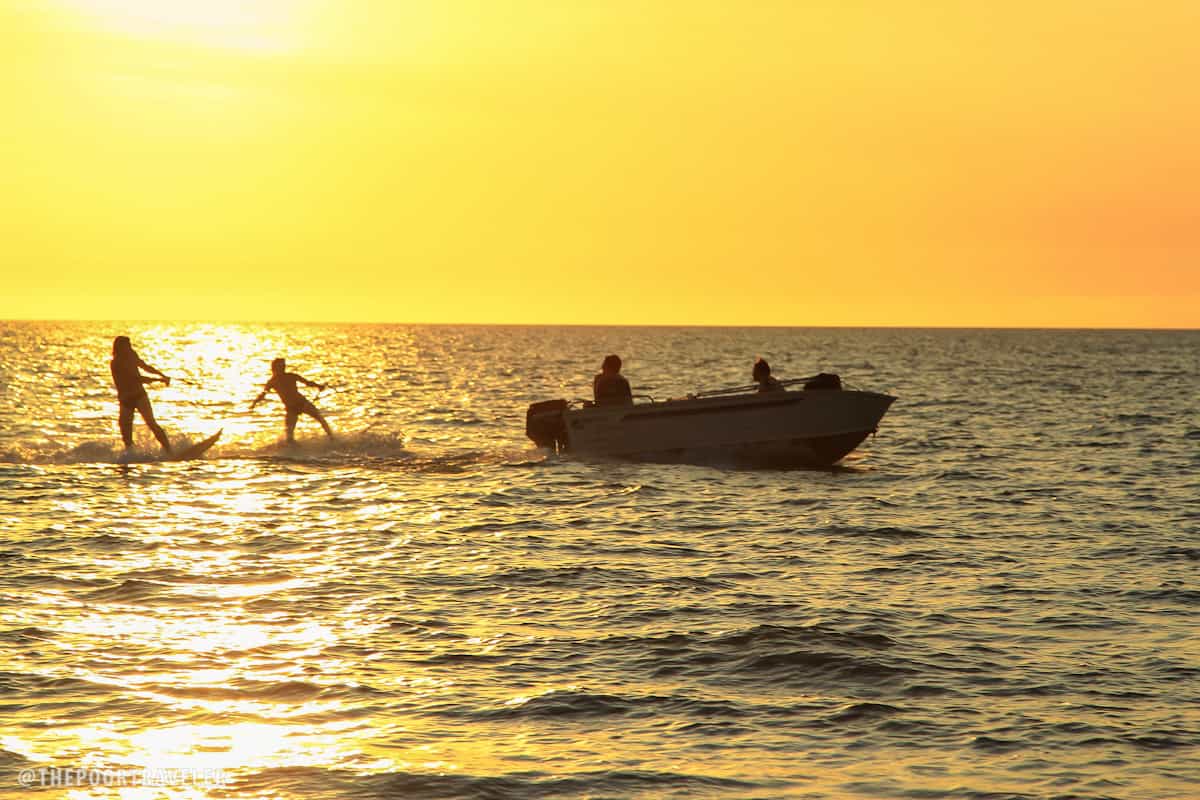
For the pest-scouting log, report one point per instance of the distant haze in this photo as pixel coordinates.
(773, 163)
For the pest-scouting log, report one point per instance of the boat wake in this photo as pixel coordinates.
(360, 446)
(364, 445)
(370, 447)
(107, 451)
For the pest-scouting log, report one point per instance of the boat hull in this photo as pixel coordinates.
(775, 429)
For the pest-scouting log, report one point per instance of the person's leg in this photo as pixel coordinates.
(290, 422)
(311, 410)
(143, 407)
(125, 422)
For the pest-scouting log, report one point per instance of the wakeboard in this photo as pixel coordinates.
(196, 450)
(189, 453)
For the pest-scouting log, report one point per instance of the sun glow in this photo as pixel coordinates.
(263, 25)
(369, 160)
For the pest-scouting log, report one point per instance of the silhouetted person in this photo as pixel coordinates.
(610, 388)
(284, 384)
(131, 392)
(762, 376)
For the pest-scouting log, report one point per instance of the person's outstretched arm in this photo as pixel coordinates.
(266, 388)
(161, 375)
(313, 384)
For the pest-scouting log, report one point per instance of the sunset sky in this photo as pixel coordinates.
(575, 161)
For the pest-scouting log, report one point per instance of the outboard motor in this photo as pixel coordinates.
(826, 380)
(544, 424)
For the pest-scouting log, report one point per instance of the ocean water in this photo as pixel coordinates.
(996, 597)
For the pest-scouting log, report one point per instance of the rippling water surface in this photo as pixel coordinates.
(994, 598)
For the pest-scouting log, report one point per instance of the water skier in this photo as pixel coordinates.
(284, 385)
(126, 369)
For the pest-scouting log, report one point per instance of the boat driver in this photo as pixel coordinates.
(610, 388)
(762, 376)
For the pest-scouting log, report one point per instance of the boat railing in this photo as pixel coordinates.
(753, 387)
(580, 402)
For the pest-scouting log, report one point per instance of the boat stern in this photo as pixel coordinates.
(546, 425)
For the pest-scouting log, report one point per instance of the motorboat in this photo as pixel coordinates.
(814, 424)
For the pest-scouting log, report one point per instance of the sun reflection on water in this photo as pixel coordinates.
(292, 617)
(200, 630)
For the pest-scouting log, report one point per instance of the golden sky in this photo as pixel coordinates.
(833, 162)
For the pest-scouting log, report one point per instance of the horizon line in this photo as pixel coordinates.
(1130, 328)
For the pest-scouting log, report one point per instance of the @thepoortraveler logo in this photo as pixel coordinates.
(65, 777)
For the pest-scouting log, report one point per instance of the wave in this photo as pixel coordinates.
(268, 691)
(762, 653)
(575, 703)
(883, 532)
(28, 635)
(1141, 419)
(299, 781)
(1187, 553)
(1040, 733)
(761, 635)
(1166, 594)
(174, 578)
(817, 655)
(147, 592)
(803, 665)
(1079, 620)
(859, 712)
(569, 704)
(31, 686)
(583, 576)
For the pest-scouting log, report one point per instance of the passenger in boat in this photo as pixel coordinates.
(131, 393)
(295, 404)
(610, 388)
(762, 376)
